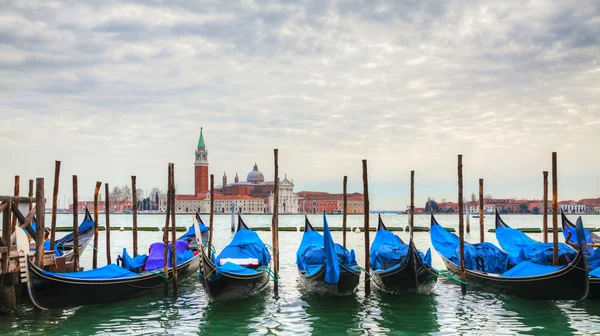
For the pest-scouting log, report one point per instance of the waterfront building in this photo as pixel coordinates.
(255, 186)
(319, 202)
(571, 207)
(245, 195)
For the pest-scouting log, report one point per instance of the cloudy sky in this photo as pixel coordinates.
(121, 88)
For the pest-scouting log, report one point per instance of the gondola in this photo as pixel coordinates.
(487, 267)
(325, 267)
(399, 267)
(63, 247)
(521, 247)
(106, 284)
(191, 233)
(239, 271)
(593, 255)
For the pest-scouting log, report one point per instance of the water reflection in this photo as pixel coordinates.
(330, 315)
(233, 318)
(538, 317)
(409, 314)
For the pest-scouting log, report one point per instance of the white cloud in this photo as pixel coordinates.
(114, 89)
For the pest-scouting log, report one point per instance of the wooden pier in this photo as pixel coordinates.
(13, 262)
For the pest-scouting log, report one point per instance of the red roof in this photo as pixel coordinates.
(221, 196)
(199, 197)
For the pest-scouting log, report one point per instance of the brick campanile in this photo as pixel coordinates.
(201, 167)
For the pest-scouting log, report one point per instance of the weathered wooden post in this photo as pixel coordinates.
(366, 225)
(412, 204)
(345, 213)
(107, 214)
(75, 226)
(40, 207)
(166, 235)
(16, 193)
(461, 228)
(54, 203)
(481, 216)
(134, 210)
(545, 208)
(8, 299)
(211, 215)
(6, 223)
(96, 232)
(30, 194)
(554, 210)
(173, 232)
(275, 221)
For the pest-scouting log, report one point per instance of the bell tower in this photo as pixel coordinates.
(201, 167)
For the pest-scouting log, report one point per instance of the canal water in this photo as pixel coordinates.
(445, 312)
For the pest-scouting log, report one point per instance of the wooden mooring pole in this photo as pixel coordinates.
(54, 203)
(30, 194)
(96, 232)
(75, 226)
(554, 210)
(481, 216)
(16, 193)
(366, 225)
(275, 221)
(107, 214)
(211, 215)
(134, 210)
(345, 213)
(166, 236)
(461, 228)
(412, 204)
(40, 207)
(545, 208)
(173, 232)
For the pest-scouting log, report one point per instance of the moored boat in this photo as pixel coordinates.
(488, 268)
(239, 271)
(521, 247)
(111, 283)
(593, 254)
(398, 267)
(325, 267)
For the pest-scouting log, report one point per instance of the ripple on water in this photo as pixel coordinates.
(445, 312)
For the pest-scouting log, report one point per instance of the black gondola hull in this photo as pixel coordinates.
(315, 283)
(594, 293)
(51, 292)
(569, 283)
(226, 286)
(413, 277)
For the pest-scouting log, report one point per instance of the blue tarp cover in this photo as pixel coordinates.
(245, 244)
(191, 233)
(595, 273)
(388, 251)
(230, 267)
(157, 252)
(491, 258)
(111, 271)
(519, 246)
(312, 254)
(527, 268)
(594, 260)
(130, 263)
(588, 239)
(86, 225)
(57, 250)
(332, 264)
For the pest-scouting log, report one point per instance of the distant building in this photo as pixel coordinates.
(115, 206)
(256, 186)
(246, 196)
(319, 202)
(572, 207)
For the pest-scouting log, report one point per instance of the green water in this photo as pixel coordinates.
(445, 312)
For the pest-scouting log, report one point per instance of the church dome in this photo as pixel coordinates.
(255, 176)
